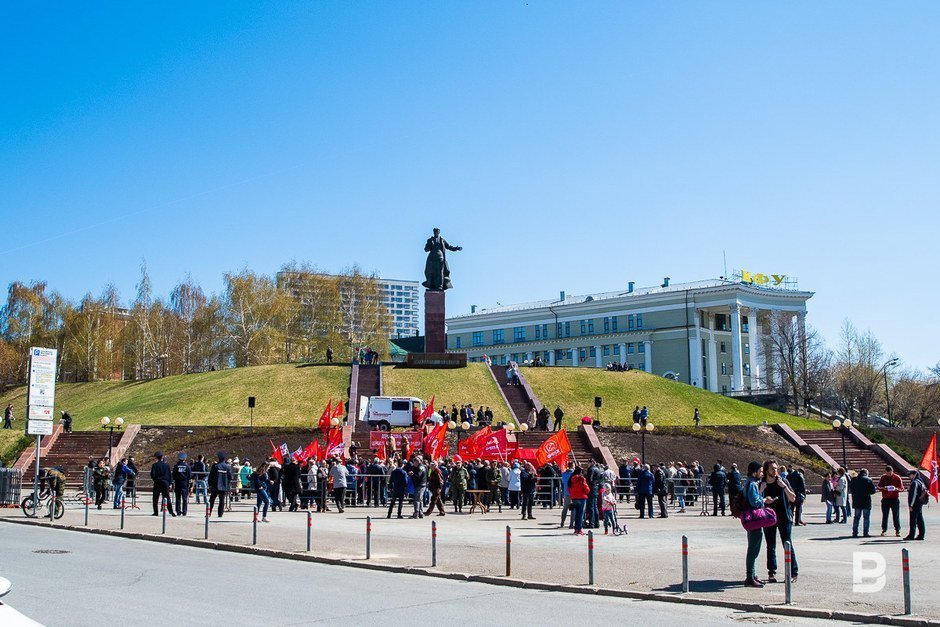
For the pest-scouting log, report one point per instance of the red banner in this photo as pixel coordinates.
(496, 446)
(335, 444)
(379, 439)
(324, 423)
(554, 449)
(434, 440)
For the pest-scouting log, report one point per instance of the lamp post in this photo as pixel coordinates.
(643, 430)
(842, 426)
(107, 424)
(884, 370)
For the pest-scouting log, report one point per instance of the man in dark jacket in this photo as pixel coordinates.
(861, 487)
(291, 481)
(220, 482)
(644, 490)
(718, 481)
(182, 476)
(916, 497)
(797, 483)
(419, 479)
(559, 418)
(375, 483)
(398, 486)
(734, 482)
(595, 479)
(660, 488)
(626, 476)
(161, 476)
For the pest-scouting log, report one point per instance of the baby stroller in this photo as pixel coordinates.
(609, 502)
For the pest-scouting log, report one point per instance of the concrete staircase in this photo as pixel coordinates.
(519, 399)
(366, 380)
(71, 451)
(859, 452)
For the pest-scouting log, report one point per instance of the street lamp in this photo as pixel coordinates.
(884, 370)
(107, 424)
(842, 426)
(643, 430)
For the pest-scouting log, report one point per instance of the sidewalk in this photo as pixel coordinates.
(648, 559)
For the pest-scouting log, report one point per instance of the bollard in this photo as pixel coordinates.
(433, 543)
(208, 511)
(123, 507)
(685, 563)
(906, 574)
(788, 572)
(163, 531)
(309, 527)
(368, 537)
(508, 551)
(86, 512)
(52, 501)
(254, 527)
(590, 558)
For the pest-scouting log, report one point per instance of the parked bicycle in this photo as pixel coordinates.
(47, 500)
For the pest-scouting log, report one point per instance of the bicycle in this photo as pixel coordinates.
(46, 501)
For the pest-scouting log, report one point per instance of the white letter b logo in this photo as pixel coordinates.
(861, 573)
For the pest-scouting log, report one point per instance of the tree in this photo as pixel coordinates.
(799, 354)
(857, 373)
(253, 311)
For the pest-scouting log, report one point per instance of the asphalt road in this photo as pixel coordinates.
(101, 580)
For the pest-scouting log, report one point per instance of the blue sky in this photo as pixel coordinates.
(571, 146)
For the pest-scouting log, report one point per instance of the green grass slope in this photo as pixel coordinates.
(670, 403)
(457, 386)
(287, 395)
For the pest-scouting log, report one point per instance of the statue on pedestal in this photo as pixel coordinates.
(436, 271)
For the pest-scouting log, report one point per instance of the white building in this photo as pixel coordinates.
(401, 299)
(708, 333)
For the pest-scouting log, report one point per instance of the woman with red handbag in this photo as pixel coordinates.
(753, 502)
(776, 487)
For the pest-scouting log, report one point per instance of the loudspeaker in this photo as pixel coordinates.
(597, 401)
(251, 402)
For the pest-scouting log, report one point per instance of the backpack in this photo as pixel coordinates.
(738, 505)
(923, 497)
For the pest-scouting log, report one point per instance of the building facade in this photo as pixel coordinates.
(401, 299)
(710, 334)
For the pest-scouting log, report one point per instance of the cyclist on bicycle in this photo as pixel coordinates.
(55, 479)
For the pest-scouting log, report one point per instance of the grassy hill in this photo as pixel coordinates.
(286, 394)
(670, 403)
(459, 386)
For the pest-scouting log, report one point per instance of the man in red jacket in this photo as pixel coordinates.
(891, 488)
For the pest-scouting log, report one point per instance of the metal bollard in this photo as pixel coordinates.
(433, 543)
(788, 572)
(508, 551)
(309, 527)
(685, 563)
(86, 512)
(254, 527)
(123, 507)
(906, 574)
(208, 511)
(590, 558)
(368, 537)
(163, 531)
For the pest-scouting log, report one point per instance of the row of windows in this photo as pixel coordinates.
(634, 323)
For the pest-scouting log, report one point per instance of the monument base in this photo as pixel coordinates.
(436, 360)
(435, 338)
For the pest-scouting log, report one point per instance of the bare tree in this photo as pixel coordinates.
(857, 373)
(800, 356)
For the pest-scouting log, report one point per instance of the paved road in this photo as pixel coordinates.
(105, 580)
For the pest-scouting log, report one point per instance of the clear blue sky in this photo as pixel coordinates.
(571, 146)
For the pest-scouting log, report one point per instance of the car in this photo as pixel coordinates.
(9, 617)
(385, 412)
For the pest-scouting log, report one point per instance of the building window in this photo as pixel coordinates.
(639, 321)
(591, 326)
(518, 334)
(567, 329)
(457, 342)
(724, 368)
(606, 350)
(723, 348)
(631, 348)
(498, 336)
(558, 330)
(747, 369)
(721, 322)
(545, 331)
(747, 349)
(606, 324)
(641, 366)
(584, 327)
(570, 354)
(724, 389)
(641, 346)
(744, 322)
(502, 360)
(593, 351)
(616, 349)
(581, 354)
(631, 322)
(478, 338)
(613, 323)
(538, 332)
(559, 355)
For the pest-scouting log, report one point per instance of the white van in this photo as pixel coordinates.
(385, 412)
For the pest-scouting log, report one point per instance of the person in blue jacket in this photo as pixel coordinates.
(644, 491)
(398, 486)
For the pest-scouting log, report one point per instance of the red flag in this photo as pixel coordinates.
(496, 446)
(554, 449)
(469, 446)
(338, 411)
(325, 417)
(445, 450)
(276, 453)
(312, 451)
(335, 444)
(426, 413)
(434, 440)
(929, 463)
(381, 453)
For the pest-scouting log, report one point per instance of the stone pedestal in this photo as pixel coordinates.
(435, 339)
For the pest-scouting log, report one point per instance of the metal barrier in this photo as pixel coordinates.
(11, 480)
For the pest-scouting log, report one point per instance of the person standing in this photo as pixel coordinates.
(718, 481)
(182, 478)
(636, 415)
(419, 479)
(398, 487)
(559, 417)
(515, 485)
(100, 475)
(329, 354)
(162, 477)
(8, 417)
(644, 491)
(917, 497)
(891, 487)
(566, 497)
(579, 490)
(826, 496)
(595, 479)
(290, 477)
(66, 422)
(122, 473)
(200, 480)
(493, 477)
(755, 537)
(261, 484)
(782, 497)
(220, 482)
(861, 488)
(435, 486)
(458, 485)
(659, 487)
(841, 494)
(528, 479)
(798, 483)
(697, 417)
(340, 476)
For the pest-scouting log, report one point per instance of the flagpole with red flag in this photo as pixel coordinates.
(929, 463)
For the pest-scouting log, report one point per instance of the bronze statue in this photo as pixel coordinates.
(436, 271)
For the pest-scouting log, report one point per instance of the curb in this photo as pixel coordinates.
(742, 606)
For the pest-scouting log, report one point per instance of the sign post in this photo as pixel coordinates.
(40, 401)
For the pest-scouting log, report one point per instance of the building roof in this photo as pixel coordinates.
(637, 292)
